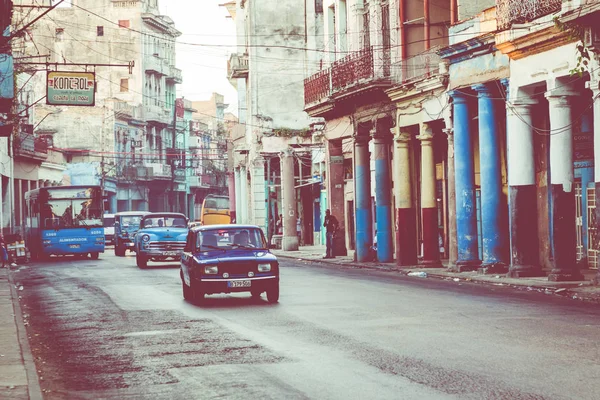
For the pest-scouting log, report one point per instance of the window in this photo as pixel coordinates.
(125, 85)
(123, 23)
(100, 31)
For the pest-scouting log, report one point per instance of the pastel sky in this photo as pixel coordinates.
(204, 47)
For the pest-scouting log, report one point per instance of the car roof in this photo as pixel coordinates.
(170, 214)
(132, 213)
(223, 226)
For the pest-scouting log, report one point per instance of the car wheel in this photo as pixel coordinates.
(141, 261)
(256, 294)
(273, 293)
(95, 256)
(197, 292)
(119, 251)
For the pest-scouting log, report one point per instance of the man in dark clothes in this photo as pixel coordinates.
(331, 226)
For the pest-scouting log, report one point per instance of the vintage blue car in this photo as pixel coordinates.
(228, 259)
(162, 237)
(127, 223)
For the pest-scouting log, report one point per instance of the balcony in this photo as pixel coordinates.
(510, 12)
(159, 171)
(174, 75)
(135, 173)
(27, 145)
(416, 68)
(157, 114)
(237, 66)
(156, 65)
(359, 72)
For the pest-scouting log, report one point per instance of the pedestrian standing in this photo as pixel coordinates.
(331, 227)
(3, 251)
(280, 225)
(299, 229)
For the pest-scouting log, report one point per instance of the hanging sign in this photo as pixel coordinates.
(71, 88)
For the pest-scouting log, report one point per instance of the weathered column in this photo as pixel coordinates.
(238, 198)
(464, 172)
(563, 189)
(231, 181)
(290, 237)
(244, 206)
(452, 246)
(362, 194)
(406, 219)
(335, 193)
(493, 209)
(383, 192)
(522, 191)
(429, 211)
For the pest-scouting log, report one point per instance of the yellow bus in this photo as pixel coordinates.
(215, 210)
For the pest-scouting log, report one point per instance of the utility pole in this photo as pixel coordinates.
(174, 138)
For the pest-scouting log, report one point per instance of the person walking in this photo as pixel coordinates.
(331, 227)
(3, 251)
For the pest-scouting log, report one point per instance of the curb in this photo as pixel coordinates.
(565, 291)
(33, 384)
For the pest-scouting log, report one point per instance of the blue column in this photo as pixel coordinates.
(383, 193)
(493, 211)
(362, 193)
(464, 172)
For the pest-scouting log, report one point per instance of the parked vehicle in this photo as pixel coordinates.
(127, 224)
(215, 210)
(227, 259)
(109, 229)
(162, 237)
(64, 220)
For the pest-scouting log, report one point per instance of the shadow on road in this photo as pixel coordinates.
(223, 301)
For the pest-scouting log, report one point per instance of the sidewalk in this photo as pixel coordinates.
(582, 290)
(18, 376)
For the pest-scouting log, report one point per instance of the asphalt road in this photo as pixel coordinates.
(106, 330)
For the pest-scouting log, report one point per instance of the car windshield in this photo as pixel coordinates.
(165, 221)
(231, 238)
(109, 221)
(131, 221)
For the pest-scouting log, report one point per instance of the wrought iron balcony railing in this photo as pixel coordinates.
(27, 145)
(417, 67)
(237, 66)
(509, 12)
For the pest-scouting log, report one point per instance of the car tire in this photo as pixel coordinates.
(273, 293)
(197, 292)
(95, 256)
(119, 251)
(141, 261)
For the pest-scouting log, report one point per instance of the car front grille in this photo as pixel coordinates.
(238, 268)
(167, 246)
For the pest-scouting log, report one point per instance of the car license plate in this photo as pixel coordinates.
(233, 284)
(170, 253)
(74, 246)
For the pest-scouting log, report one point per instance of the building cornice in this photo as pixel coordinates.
(159, 23)
(532, 43)
(484, 44)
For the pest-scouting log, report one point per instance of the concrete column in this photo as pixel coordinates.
(493, 209)
(231, 183)
(335, 194)
(290, 237)
(429, 212)
(464, 171)
(244, 195)
(594, 85)
(238, 198)
(362, 194)
(562, 189)
(524, 248)
(406, 219)
(383, 193)
(452, 245)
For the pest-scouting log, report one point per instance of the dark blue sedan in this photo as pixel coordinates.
(228, 259)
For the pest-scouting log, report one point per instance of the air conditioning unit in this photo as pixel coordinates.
(591, 38)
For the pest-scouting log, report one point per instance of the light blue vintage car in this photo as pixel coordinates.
(162, 237)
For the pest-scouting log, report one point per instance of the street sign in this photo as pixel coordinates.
(71, 88)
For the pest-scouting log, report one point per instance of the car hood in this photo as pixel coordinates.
(216, 256)
(164, 233)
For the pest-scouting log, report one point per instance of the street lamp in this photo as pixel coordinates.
(46, 116)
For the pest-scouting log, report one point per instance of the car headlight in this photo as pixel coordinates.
(264, 267)
(211, 269)
(146, 238)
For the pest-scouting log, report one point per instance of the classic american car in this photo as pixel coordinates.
(127, 223)
(162, 237)
(228, 259)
